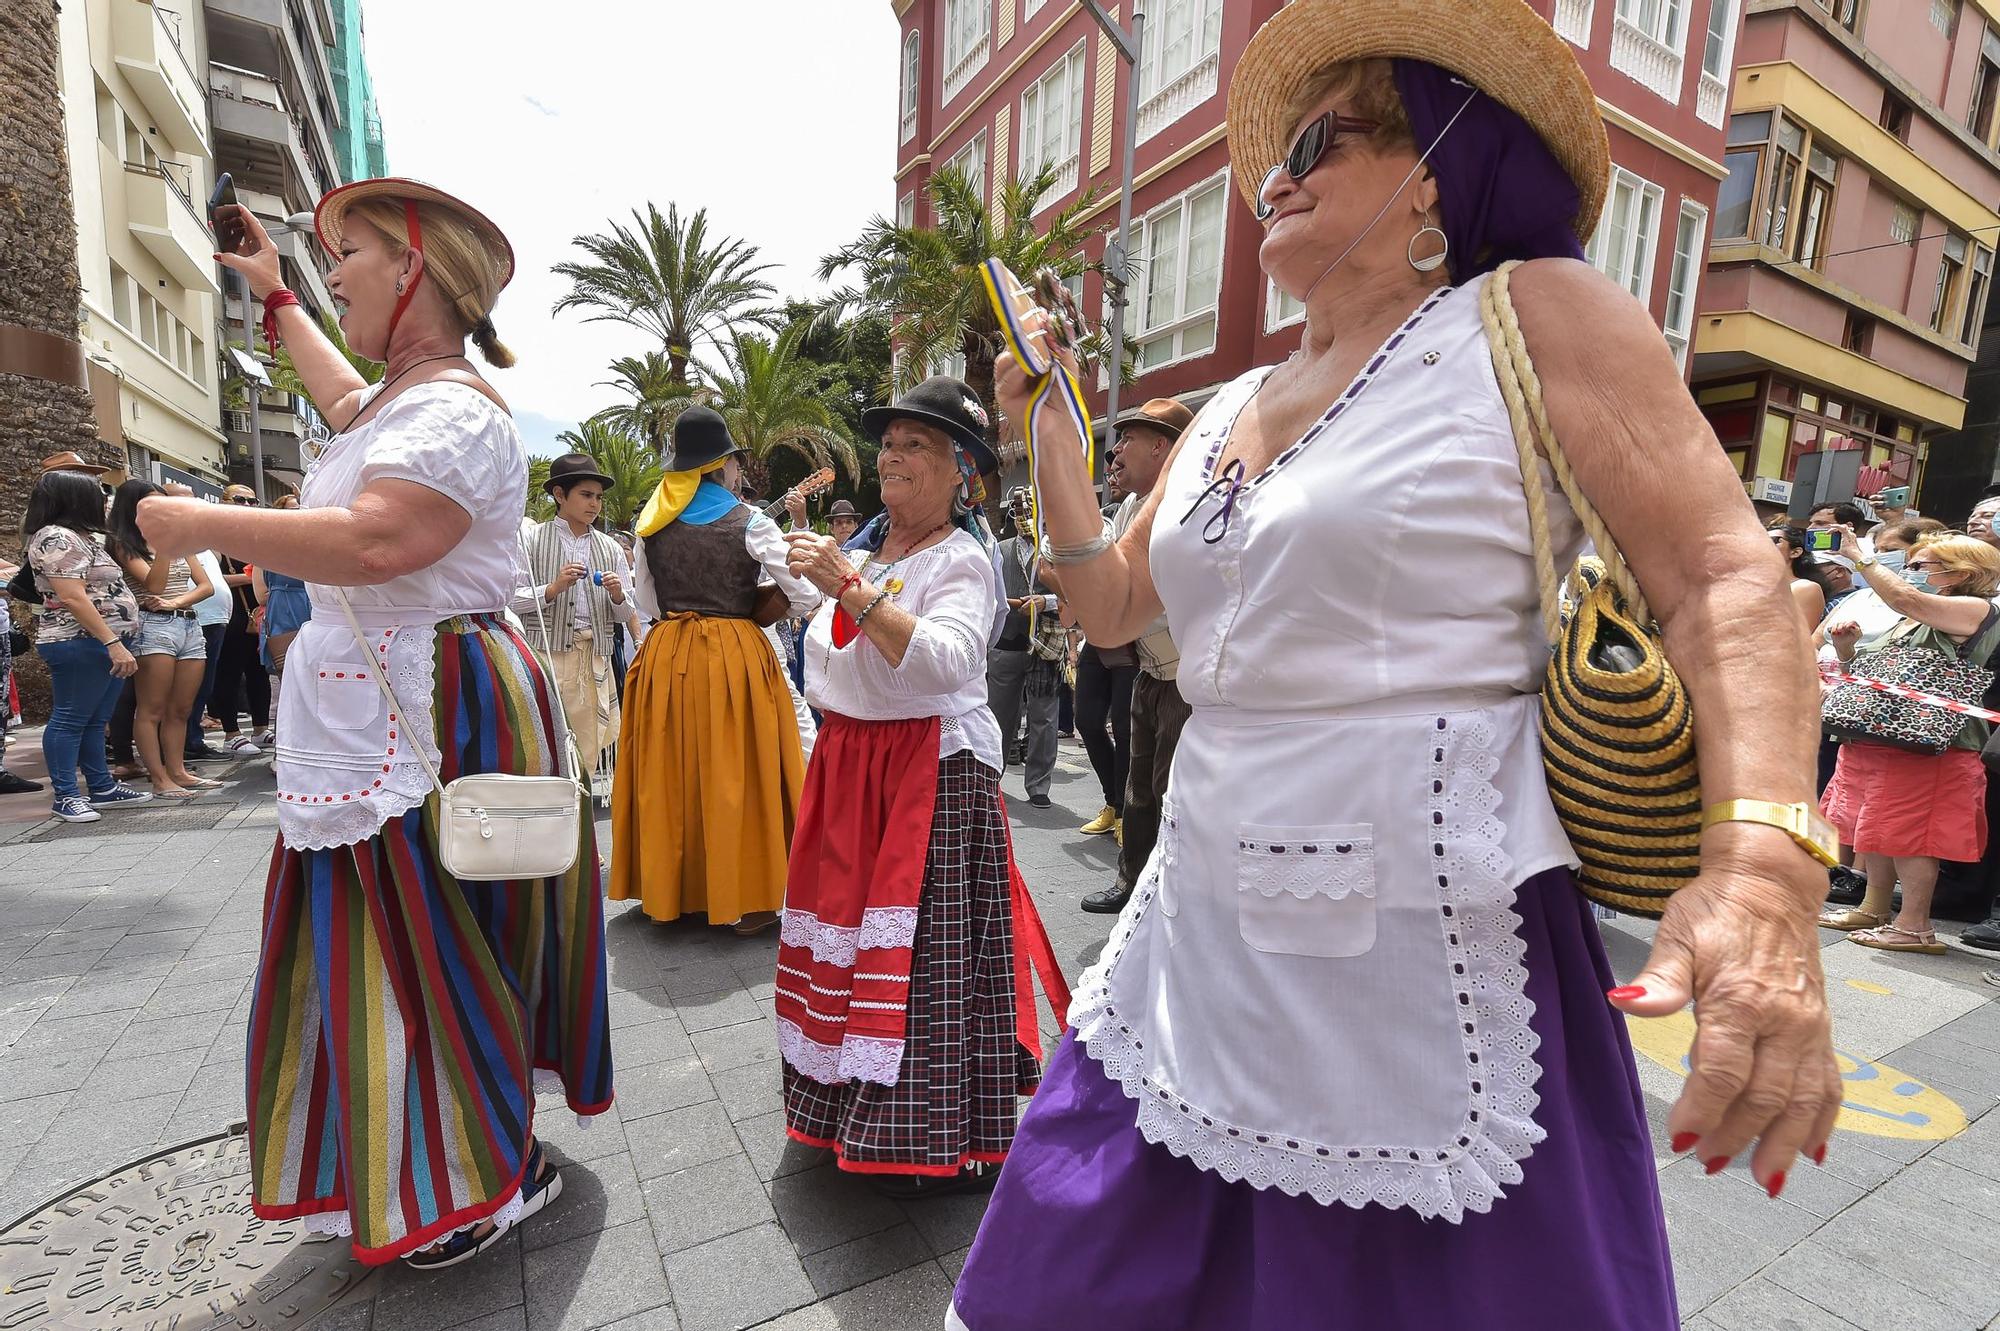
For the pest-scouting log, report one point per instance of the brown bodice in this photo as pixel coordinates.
(704, 569)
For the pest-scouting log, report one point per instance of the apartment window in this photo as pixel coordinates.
(1903, 223)
(1736, 201)
(1661, 20)
(1847, 13)
(1721, 29)
(1052, 122)
(1858, 336)
(1951, 270)
(1895, 116)
(109, 119)
(906, 210)
(1628, 234)
(1688, 240)
(968, 24)
(1775, 221)
(1281, 308)
(1815, 207)
(1980, 282)
(1029, 8)
(913, 55)
(1180, 247)
(1180, 35)
(1985, 99)
(970, 161)
(121, 298)
(1944, 16)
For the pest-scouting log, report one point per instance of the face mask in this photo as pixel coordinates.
(1892, 560)
(1920, 578)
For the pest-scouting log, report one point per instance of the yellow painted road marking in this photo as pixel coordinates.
(1879, 1101)
(1869, 987)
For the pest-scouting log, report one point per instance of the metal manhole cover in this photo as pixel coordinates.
(169, 1242)
(142, 820)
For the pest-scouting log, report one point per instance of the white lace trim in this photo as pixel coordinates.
(856, 1058)
(1484, 951)
(881, 927)
(1304, 869)
(340, 1225)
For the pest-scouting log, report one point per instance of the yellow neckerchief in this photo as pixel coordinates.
(676, 489)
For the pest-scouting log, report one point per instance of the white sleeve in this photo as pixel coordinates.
(947, 650)
(627, 612)
(767, 546)
(445, 441)
(643, 594)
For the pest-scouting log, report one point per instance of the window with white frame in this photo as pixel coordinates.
(1689, 240)
(1661, 20)
(913, 55)
(1903, 223)
(1179, 249)
(1281, 308)
(1179, 61)
(1944, 16)
(967, 26)
(1029, 8)
(1572, 21)
(1717, 52)
(906, 210)
(970, 161)
(1052, 124)
(1628, 234)
(1649, 42)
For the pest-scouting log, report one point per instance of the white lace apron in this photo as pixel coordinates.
(1317, 985)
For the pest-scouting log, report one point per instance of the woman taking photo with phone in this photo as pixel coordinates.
(173, 654)
(451, 998)
(89, 617)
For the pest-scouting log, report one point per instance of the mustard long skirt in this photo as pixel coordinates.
(709, 770)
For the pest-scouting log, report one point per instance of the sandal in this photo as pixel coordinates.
(542, 1186)
(1889, 938)
(1851, 919)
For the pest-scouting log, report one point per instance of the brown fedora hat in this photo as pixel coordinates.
(1164, 414)
(67, 461)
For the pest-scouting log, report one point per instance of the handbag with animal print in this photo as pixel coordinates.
(1916, 657)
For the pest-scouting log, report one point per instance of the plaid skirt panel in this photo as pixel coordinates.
(957, 1095)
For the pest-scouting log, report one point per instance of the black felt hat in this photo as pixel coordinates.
(843, 508)
(571, 468)
(947, 404)
(701, 436)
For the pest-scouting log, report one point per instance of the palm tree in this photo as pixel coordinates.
(925, 280)
(633, 465)
(41, 291)
(285, 376)
(657, 398)
(665, 276)
(772, 400)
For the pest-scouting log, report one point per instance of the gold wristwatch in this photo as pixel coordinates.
(1801, 822)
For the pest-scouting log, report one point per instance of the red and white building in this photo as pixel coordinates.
(999, 86)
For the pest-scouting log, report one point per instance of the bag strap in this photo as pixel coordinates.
(1534, 438)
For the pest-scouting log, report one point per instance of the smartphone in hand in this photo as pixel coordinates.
(1823, 541)
(224, 217)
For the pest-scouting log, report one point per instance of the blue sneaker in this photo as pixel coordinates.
(72, 809)
(119, 795)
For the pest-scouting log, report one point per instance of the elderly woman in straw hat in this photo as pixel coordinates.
(401, 1018)
(1353, 1036)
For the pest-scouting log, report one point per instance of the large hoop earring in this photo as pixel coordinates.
(1430, 263)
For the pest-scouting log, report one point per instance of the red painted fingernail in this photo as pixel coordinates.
(1819, 1155)
(1625, 993)
(1717, 1165)
(1776, 1185)
(1683, 1142)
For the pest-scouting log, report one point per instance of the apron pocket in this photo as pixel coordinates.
(346, 695)
(1306, 891)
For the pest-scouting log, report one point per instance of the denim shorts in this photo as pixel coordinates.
(162, 634)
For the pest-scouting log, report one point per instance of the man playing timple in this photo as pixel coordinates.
(1023, 669)
(577, 589)
(1145, 436)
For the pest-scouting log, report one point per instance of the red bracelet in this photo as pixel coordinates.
(847, 584)
(274, 300)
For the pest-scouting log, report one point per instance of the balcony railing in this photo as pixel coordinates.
(1712, 99)
(1647, 59)
(1572, 21)
(1170, 103)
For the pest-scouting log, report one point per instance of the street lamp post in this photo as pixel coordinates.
(296, 222)
(1117, 257)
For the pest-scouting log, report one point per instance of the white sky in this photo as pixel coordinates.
(777, 115)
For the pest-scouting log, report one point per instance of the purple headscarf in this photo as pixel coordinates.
(1502, 192)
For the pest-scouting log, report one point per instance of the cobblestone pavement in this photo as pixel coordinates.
(126, 951)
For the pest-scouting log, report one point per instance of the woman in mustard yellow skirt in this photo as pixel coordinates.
(709, 762)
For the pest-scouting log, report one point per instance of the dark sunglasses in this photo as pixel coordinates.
(1312, 144)
(251, 502)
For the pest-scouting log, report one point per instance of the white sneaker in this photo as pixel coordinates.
(243, 744)
(266, 737)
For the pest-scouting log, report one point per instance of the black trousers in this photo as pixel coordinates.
(1104, 719)
(1158, 713)
(211, 634)
(240, 682)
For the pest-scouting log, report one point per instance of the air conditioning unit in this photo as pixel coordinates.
(238, 421)
(1767, 490)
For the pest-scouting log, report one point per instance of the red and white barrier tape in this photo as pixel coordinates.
(1833, 674)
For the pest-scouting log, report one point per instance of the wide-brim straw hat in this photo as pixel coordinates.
(330, 216)
(1504, 48)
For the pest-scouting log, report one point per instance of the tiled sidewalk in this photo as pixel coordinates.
(125, 957)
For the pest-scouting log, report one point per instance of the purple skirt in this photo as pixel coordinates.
(1091, 1225)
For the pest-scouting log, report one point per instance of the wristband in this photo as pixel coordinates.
(847, 584)
(274, 300)
(869, 609)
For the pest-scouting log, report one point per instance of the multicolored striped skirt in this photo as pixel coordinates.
(400, 1017)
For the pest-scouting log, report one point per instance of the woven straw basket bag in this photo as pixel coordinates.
(1617, 727)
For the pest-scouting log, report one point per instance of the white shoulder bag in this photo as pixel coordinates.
(494, 826)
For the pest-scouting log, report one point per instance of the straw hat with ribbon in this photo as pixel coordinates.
(1502, 47)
